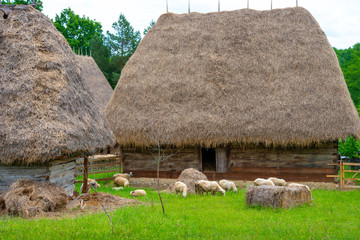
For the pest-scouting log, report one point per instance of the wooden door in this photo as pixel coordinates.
(221, 161)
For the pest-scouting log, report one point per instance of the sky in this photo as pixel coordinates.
(339, 19)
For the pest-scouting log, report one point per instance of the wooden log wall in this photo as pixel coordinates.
(312, 157)
(63, 174)
(293, 164)
(141, 159)
(10, 174)
(59, 172)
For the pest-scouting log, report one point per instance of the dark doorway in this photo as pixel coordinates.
(208, 158)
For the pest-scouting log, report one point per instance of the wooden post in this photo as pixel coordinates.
(188, 6)
(85, 177)
(219, 6)
(341, 174)
(200, 159)
(121, 158)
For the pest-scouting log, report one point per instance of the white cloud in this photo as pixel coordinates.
(338, 19)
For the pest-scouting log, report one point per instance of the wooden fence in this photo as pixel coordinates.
(343, 180)
(97, 164)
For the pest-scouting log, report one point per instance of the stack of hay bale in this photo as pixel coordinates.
(275, 192)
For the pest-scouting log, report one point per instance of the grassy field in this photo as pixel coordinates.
(333, 215)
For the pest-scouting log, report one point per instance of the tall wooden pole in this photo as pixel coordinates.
(85, 177)
(341, 174)
(121, 159)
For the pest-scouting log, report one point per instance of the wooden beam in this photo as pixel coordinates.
(121, 155)
(85, 179)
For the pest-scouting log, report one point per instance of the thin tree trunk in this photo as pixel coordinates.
(158, 181)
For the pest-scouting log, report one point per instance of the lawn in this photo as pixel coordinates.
(333, 215)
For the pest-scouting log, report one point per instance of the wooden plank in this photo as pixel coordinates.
(356, 179)
(351, 164)
(100, 165)
(106, 171)
(353, 171)
(335, 176)
(221, 160)
(351, 186)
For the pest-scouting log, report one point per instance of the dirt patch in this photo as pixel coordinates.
(28, 198)
(92, 201)
(189, 176)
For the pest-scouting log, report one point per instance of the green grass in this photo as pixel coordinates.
(333, 215)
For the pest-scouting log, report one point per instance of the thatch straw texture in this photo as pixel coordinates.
(28, 198)
(98, 85)
(241, 76)
(46, 108)
(277, 197)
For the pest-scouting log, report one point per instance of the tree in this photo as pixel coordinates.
(122, 44)
(101, 55)
(77, 30)
(349, 148)
(39, 7)
(161, 151)
(349, 60)
(152, 23)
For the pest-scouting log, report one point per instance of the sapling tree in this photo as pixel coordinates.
(159, 149)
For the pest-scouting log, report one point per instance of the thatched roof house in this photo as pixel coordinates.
(98, 85)
(47, 111)
(243, 76)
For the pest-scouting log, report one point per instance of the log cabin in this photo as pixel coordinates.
(243, 94)
(48, 116)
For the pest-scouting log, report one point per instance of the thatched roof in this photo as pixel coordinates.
(46, 108)
(241, 76)
(98, 85)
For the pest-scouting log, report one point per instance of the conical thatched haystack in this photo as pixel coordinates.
(98, 85)
(46, 111)
(241, 76)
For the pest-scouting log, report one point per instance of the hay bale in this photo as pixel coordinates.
(28, 198)
(189, 176)
(277, 196)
